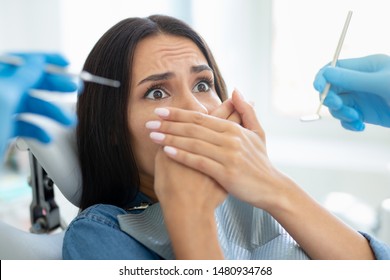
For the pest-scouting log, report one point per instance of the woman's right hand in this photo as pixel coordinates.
(180, 186)
(188, 199)
(187, 195)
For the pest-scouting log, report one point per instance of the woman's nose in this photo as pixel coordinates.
(190, 102)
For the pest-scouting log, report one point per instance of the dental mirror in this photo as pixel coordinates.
(316, 116)
(310, 118)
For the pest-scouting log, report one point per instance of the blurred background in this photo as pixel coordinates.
(270, 51)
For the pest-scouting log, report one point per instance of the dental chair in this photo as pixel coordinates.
(53, 163)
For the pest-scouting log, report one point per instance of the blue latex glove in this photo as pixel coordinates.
(15, 82)
(360, 91)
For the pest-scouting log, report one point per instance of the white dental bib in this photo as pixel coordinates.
(244, 232)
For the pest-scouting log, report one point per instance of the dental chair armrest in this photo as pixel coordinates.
(16, 244)
(59, 159)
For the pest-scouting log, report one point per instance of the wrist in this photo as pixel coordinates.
(182, 210)
(283, 194)
(194, 204)
(193, 233)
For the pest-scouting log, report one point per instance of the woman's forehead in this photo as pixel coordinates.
(165, 43)
(165, 53)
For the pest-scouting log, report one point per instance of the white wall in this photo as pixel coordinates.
(30, 25)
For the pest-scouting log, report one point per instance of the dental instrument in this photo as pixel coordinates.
(317, 116)
(53, 69)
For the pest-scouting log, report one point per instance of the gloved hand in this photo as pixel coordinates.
(360, 91)
(16, 81)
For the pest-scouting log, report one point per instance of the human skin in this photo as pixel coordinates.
(204, 154)
(236, 157)
(171, 71)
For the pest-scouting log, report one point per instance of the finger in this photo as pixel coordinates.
(346, 114)
(235, 117)
(227, 111)
(49, 58)
(40, 107)
(351, 74)
(58, 82)
(56, 59)
(247, 114)
(224, 110)
(189, 130)
(30, 72)
(354, 126)
(333, 101)
(29, 130)
(33, 62)
(319, 81)
(352, 80)
(194, 146)
(202, 164)
(364, 64)
(193, 117)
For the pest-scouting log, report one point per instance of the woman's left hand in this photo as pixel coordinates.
(234, 155)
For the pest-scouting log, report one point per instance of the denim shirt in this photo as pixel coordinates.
(381, 250)
(95, 234)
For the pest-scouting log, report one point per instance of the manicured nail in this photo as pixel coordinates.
(242, 97)
(162, 112)
(157, 136)
(170, 150)
(153, 124)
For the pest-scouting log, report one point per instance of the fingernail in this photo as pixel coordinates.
(153, 124)
(157, 136)
(239, 94)
(162, 112)
(170, 150)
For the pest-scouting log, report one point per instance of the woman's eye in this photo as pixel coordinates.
(202, 87)
(156, 94)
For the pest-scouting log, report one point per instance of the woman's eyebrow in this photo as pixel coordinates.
(200, 68)
(158, 77)
(168, 75)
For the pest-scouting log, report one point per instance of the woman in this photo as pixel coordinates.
(171, 97)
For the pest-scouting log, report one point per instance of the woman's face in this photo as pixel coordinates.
(168, 71)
